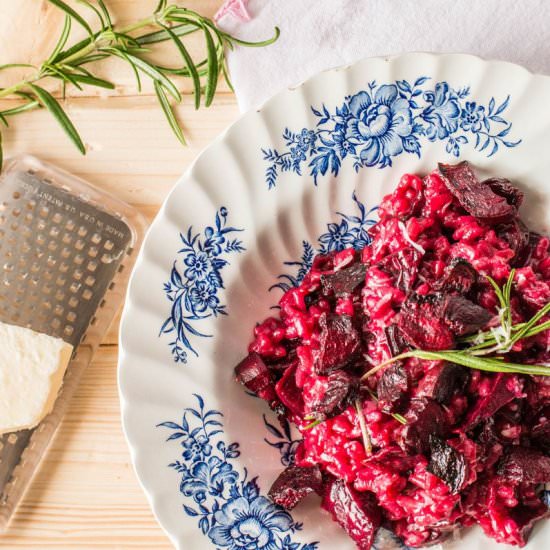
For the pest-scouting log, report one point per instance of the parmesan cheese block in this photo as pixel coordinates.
(32, 366)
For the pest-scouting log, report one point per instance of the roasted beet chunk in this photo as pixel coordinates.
(425, 417)
(392, 389)
(395, 340)
(525, 518)
(403, 266)
(447, 464)
(339, 343)
(295, 483)
(253, 373)
(516, 234)
(342, 389)
(505, 189)
(289, 393)
(344, 281)
(540, 436)
(463, 316)
(523, 465)
(460, 276)
(451, 378)
(477, 198)
(487, 406)
(356, 512)
(421, 323)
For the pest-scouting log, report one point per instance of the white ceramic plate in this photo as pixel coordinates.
(298, 176)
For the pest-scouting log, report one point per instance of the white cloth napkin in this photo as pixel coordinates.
(320, 34)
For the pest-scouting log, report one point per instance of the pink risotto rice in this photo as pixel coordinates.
(448, 446)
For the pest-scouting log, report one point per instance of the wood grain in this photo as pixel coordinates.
(86, 495)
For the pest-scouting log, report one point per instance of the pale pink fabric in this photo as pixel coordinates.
(235, 8)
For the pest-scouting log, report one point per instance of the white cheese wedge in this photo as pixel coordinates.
(32, 366)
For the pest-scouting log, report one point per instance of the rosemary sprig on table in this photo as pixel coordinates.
(486, 350)
(132, 43)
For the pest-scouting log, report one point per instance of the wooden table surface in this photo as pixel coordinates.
(85, 494)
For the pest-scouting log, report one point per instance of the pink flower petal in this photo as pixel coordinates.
(236, 8)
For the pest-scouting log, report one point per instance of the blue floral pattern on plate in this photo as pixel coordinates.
(194, 288)
(284, 443)
(386, 120)
(228, 506)
(350, 230)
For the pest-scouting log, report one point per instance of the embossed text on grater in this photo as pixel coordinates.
(58, 257)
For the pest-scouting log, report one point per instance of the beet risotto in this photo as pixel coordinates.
(416, 369)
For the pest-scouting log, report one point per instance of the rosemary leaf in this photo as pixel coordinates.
(125, 57)
(489, 364)
(313, 424)
(150, 70)
(53, 71)
(400, 418)
(160, 6)
(169, 112)
(51, 104)
(106, 14)
(261, 44)
(29, 106)
(498, 292)
(62, 39)
(531, 323)
(190, 66)
(16, 65)
(72, 13)
(213, 68)
(93, 81)
(163, 36)
(90, 6)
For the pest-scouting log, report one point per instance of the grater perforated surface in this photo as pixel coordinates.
(60, 256)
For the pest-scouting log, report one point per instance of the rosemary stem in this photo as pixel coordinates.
(389, 361)
(18, 86)
(363, 423)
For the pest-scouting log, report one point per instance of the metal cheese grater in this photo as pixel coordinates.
(65, 256)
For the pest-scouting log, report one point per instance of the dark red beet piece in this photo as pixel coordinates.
(392, 389)
(451, 378)
(504, 188)
(253, 373)
(477, 198)
(487, 406)
(488, 441)
(460, 276)
(523, 465)
(540, 437)
(525, 256)
(526, 517)
(425, 417)
(339, 343)
(344, 281)
(342, 390)
(288, 392)
(279, 365)
(294, 484)
(395, 339)
(516, 234)
(463, 316)
(356, 512)
(421, 323)
(403, 266)
(447, 464)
